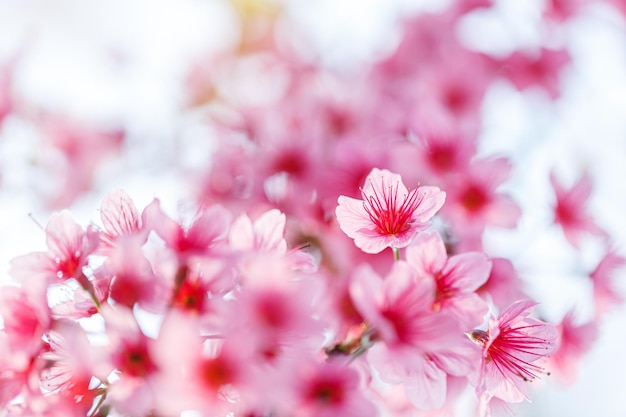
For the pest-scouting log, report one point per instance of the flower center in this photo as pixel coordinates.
(390, 213)
(327, 391)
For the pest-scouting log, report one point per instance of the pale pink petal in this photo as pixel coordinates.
(119, 214)
(427, 254)
(427, 390)
(432, 199)
(466, 272)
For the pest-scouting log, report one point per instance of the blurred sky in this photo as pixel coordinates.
(124, 60)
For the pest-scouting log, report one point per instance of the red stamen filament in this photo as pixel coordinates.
(390, 215)
(502, 352)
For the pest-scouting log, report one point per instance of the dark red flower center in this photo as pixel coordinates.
(217, 372)
(474, 198)
(327, 391)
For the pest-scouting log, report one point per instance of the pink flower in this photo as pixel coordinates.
(605, 293)
(575, 340)
(511, 346)
(569, 210)
(329, 389)
(504, 286)
(542, 69)
(134, 355)
(445, 152)
(474, 203)
(415, 346)
(69, 246)
(72, 362)
(456, 278)
(25, 317)
(133, 280)
(207, 229)
(389, 215)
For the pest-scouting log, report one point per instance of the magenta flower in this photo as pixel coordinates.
(511, 346)
(415, 346)
(389, 215)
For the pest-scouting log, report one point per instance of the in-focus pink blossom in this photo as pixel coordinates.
(512, 346)
(414, 345)
(389, 215)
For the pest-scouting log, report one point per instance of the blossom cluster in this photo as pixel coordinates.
(333, 261)
(246, 325)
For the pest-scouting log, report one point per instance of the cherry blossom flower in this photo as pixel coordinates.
(541, 69)
(445, 153)
(511, 346)
(389, 215)
(209, 227)
(456, 278)
(26, 317)
(329, 389)
(132, 354)
(133, 280)
(69, 246)
(415, 346)
(72, 362)
(570, 211)
(474, 203)
(504, 286)
(574, 342)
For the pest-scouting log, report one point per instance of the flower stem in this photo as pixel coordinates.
(88, 286)
(396, 253)
(98, 409)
